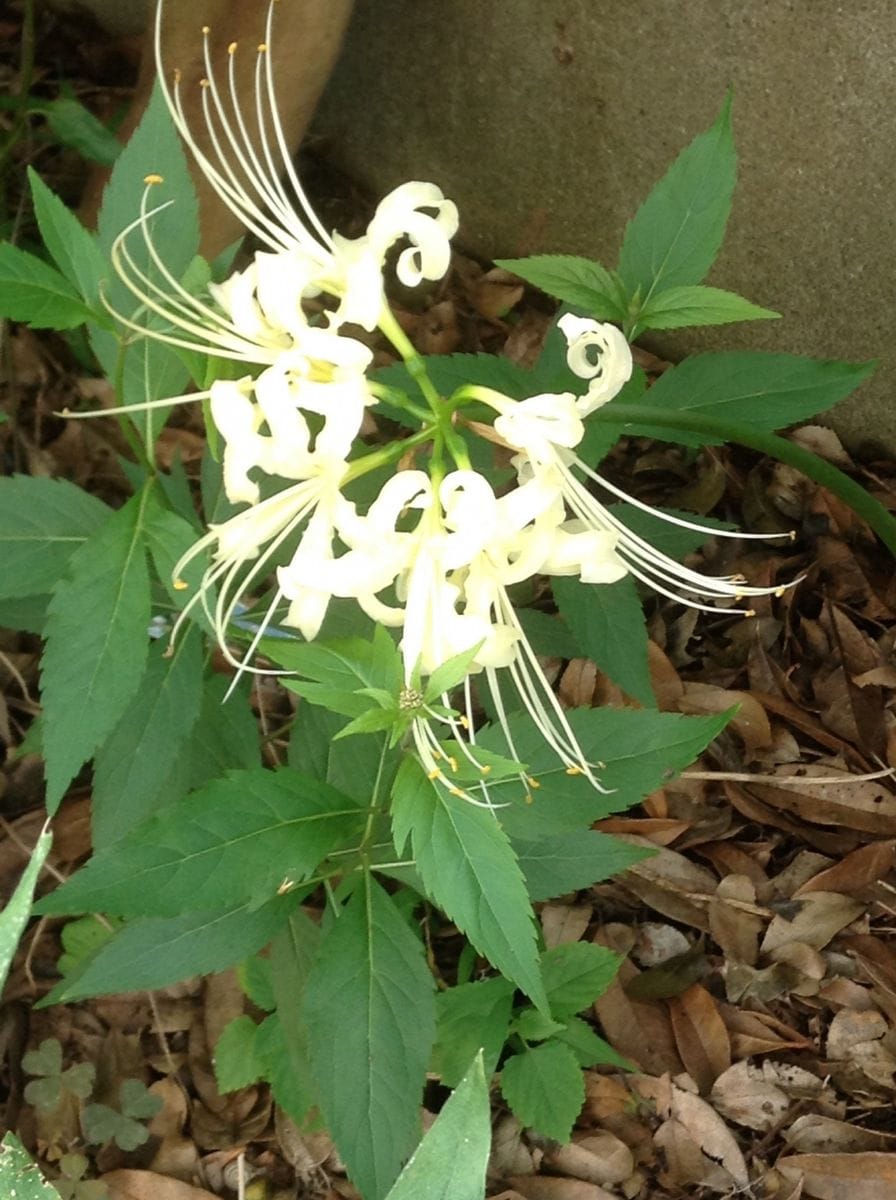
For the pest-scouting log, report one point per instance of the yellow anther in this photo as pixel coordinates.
(452, 762)
(533, 783)
(435, 773)
(231, 49)
(750, 612)
(486, 769)
(779, 591)
(204, 83)
(530, 799)
(206, 30)
(455, 791)
(180, 585)
(437, 755)
(262, 47)
(573, 770)
(151, 179)
(177, 76)
(792, 535)
(464, 723)
(601, 765)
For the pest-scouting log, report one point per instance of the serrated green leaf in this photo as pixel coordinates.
(234, 841)
(451, 1160)
(42, 523)
(675, 235)
(470, 871)
(237, 1061)
(589, 1048)
(756, 390)
(567, 862)
(136, 761)
(533, 1026)
(370, 1076)
(255, 980)
(33, 292)
(96, 644)
(17, 910)
(665, 536)
(72, 247)
(607, 621)
(545, 1089)
(155, 952)
(374, 720)
(640, 750)
(82, 938)
(286, 1041)
(547, 635)
(572, 280)
(224, 737)
(575, 974)
(683, 307)
(472, 1017)
(19, 1175)
(339, 668)
(76, 127)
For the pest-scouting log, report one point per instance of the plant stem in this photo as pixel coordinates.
(829, 476)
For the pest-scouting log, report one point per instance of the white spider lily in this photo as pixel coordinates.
(600, 353)
(257, 181)
(244, 550)
(531, 427)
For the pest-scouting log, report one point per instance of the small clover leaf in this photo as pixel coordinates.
(137, 1100)
(72, 1185)
(46, 1091)
(103, 1124)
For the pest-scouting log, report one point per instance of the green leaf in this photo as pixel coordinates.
(153, 148)
(567, 862)
(588, 1047)
(237, 1060)
(665, 536)
(640, 750)
(547, 635)
(225, 736)
(96, 644)
(533, 1026)
(607, 621)
(756, 390)
(452, 672)
(255, 980)
(288, 1044)
(575, 974)
(73, 248)
(470, 871)
(544, 1088)
(573, 280)
(42, 523)
(76, 127)
(473, 1018)
(137, 1100)
(234, 841)
(155, 952)
(28, 613)
(339, 669)
(103, 1124)
(448, 372)
(45, 1060)
(370, 1076)
(451, 1160)
(19, 1175)
(136, 761)
(675, 235)
(17, 910)
(82, 938)
(683, 307)
(35, 293)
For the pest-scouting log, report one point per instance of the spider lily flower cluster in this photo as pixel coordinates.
(437, 551)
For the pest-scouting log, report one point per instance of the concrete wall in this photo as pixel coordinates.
(549, 120)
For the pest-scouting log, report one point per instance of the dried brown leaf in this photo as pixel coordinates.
(700, 1035)
(865, 1176)
(818, 918)
(147, 1185)
(856, 872)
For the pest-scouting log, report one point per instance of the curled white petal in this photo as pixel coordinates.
(599, 352)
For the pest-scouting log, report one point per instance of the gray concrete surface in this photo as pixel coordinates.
(548, 121)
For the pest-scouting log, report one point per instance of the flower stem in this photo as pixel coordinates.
(630, 416)
(412, 360)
